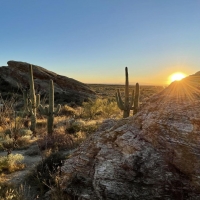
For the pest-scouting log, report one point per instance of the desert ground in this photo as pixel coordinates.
(29, 165)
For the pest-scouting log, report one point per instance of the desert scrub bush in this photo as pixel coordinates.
(11, 162)
(15, 129)
(90, 128)
(7, 144)
(110, 108)
(81, 129)
(19, 141)
(57, 141)
(20, 132)
(67, 110)
(100, 108)
(10, 192)
(23, 142)
(73, 129)
(45, 175)
(41, 123)
(91, 108)
(75, 126)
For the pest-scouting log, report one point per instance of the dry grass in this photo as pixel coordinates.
(10, 192)
(11, 163)
(71, 128)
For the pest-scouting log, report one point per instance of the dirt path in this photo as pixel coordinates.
(31, 158)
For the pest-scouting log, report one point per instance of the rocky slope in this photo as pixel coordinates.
(152, 155)
(14, 77)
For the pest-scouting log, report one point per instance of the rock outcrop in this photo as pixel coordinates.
(152, 155)
(14, 77)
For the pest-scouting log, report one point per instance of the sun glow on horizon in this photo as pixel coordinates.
(176, 77)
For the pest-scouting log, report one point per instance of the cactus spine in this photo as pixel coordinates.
(31, 101)
(49, 110)
(126, 106)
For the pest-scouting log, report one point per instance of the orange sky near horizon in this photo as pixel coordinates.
(159, 78)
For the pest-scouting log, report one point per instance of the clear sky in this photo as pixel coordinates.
(94, 40)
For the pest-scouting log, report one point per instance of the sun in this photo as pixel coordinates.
(176, 76)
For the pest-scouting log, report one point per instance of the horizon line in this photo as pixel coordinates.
(145, 84)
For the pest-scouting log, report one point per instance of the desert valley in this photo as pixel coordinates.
(85, 148)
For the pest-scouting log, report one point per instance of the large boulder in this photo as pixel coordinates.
(152, 155)
(14, 77)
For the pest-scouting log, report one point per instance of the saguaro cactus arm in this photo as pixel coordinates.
(57, 110)
(37, 100)
(136, 99)
(119, 100)
(132, 100)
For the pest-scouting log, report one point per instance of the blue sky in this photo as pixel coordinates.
(94, 40)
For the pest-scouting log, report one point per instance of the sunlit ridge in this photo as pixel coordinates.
(176, 77)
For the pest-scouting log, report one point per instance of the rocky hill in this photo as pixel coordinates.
(152, 155)
(14, 77)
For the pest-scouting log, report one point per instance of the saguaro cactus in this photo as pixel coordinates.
(49, 110)
(136, 99)
(31, 101)
(126, 106)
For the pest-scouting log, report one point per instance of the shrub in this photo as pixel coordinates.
(45, 175)
(109, 108)
(10, 192)
(11, 163)
(25, 132)
(67, 110)
(7, 143)
(81, 126)
(56, 142)
(91, 108)
(91, 128)
(41, 124)
(23, 142)
(75, 127)
(105, 108)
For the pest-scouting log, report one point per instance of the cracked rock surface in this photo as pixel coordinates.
(152, 155)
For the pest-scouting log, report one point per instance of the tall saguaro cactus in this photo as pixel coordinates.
(49, 110)
(126, 106)
(136, 99)
(31, 101)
